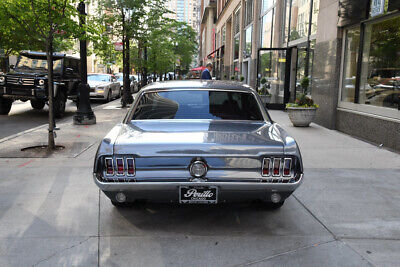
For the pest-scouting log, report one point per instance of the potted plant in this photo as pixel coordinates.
(241, 78)
(302, 111)
(265, 95)
(233, 77)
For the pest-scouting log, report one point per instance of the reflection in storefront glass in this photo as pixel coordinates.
(266, 33)
(299, 19)
(301, 67)
(266, 4)
(350, 65)
(380, 78)
(236, 48)
(249, 31)
(272, 68)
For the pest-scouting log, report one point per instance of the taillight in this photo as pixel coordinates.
(265, 168)
(277, 166)
(287, 166)
(109, 166)
(120, 166)
(130, 162)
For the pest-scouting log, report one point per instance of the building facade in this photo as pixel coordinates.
(184, 11)
(348, 49)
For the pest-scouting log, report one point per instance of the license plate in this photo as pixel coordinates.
(198, 194)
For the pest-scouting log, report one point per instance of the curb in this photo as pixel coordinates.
(10, 137)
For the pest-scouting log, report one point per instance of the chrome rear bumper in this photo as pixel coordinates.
(174, 186)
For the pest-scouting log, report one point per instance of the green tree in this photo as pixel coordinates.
(44, 23)
(122, 18)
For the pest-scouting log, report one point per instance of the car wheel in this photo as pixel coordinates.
(109, 96)
(5, 106)
(59, 104)
(119, 204)
(38, 104)
(274, 206)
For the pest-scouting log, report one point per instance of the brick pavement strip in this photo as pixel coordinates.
(347, 211)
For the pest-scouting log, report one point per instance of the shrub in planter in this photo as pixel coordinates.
(233, 77)
(241, 78)
(302, 111)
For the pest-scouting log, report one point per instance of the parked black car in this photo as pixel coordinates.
(27, 80)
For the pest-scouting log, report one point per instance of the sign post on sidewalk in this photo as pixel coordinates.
(84, 115)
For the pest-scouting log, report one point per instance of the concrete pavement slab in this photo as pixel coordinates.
(378, 252)
(49, 251)
(197, 250)
(50, 203)
(231, 219)
(356, 203)
(326, 254)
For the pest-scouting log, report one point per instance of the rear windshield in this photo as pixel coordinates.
(191, 104)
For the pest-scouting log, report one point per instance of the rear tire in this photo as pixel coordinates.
(274, 206)
(119, 204)
(38, 104)
(5, 106)
(59, 104)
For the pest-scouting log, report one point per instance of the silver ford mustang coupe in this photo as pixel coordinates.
(198, 142)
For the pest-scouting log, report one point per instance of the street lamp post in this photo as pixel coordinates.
(84, 115)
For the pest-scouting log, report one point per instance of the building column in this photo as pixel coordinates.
(327, 58)
(255, 43)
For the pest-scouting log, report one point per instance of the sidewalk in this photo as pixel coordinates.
(347, 212)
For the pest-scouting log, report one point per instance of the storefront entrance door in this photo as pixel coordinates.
(273, 73)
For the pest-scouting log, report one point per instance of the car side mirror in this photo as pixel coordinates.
(69, 71)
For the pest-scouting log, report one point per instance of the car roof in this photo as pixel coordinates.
(198, 84)
(42, 55)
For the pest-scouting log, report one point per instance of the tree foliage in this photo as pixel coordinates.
(157, 43)
(42, 25)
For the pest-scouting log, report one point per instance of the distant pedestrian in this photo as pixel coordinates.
(206, 75)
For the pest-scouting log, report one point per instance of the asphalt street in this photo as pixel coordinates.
(23, 117)
(346, 212)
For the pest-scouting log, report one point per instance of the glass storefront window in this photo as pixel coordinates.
(315, 16)
(287, 20)
(266, 4)
(272, 67)
(301, 67)
(299, 19)
(236, 47)
(266, 30)
(380, 72)
(352, 41)
(247, 48)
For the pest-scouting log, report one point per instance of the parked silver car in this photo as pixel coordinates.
(198, 142)
(104, 86)
(133, 82)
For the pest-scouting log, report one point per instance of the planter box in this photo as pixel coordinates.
(301, 117)
(265, 98)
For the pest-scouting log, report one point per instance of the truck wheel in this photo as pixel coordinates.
(37, 104)
(5, 106)
(59, 104)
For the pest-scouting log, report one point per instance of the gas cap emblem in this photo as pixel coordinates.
(198, 169)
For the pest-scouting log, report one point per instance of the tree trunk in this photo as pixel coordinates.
(49, 56)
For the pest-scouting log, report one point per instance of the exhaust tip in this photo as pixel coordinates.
(275, 198)
(120, 197)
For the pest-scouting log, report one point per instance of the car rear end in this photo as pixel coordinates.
(209, 156)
